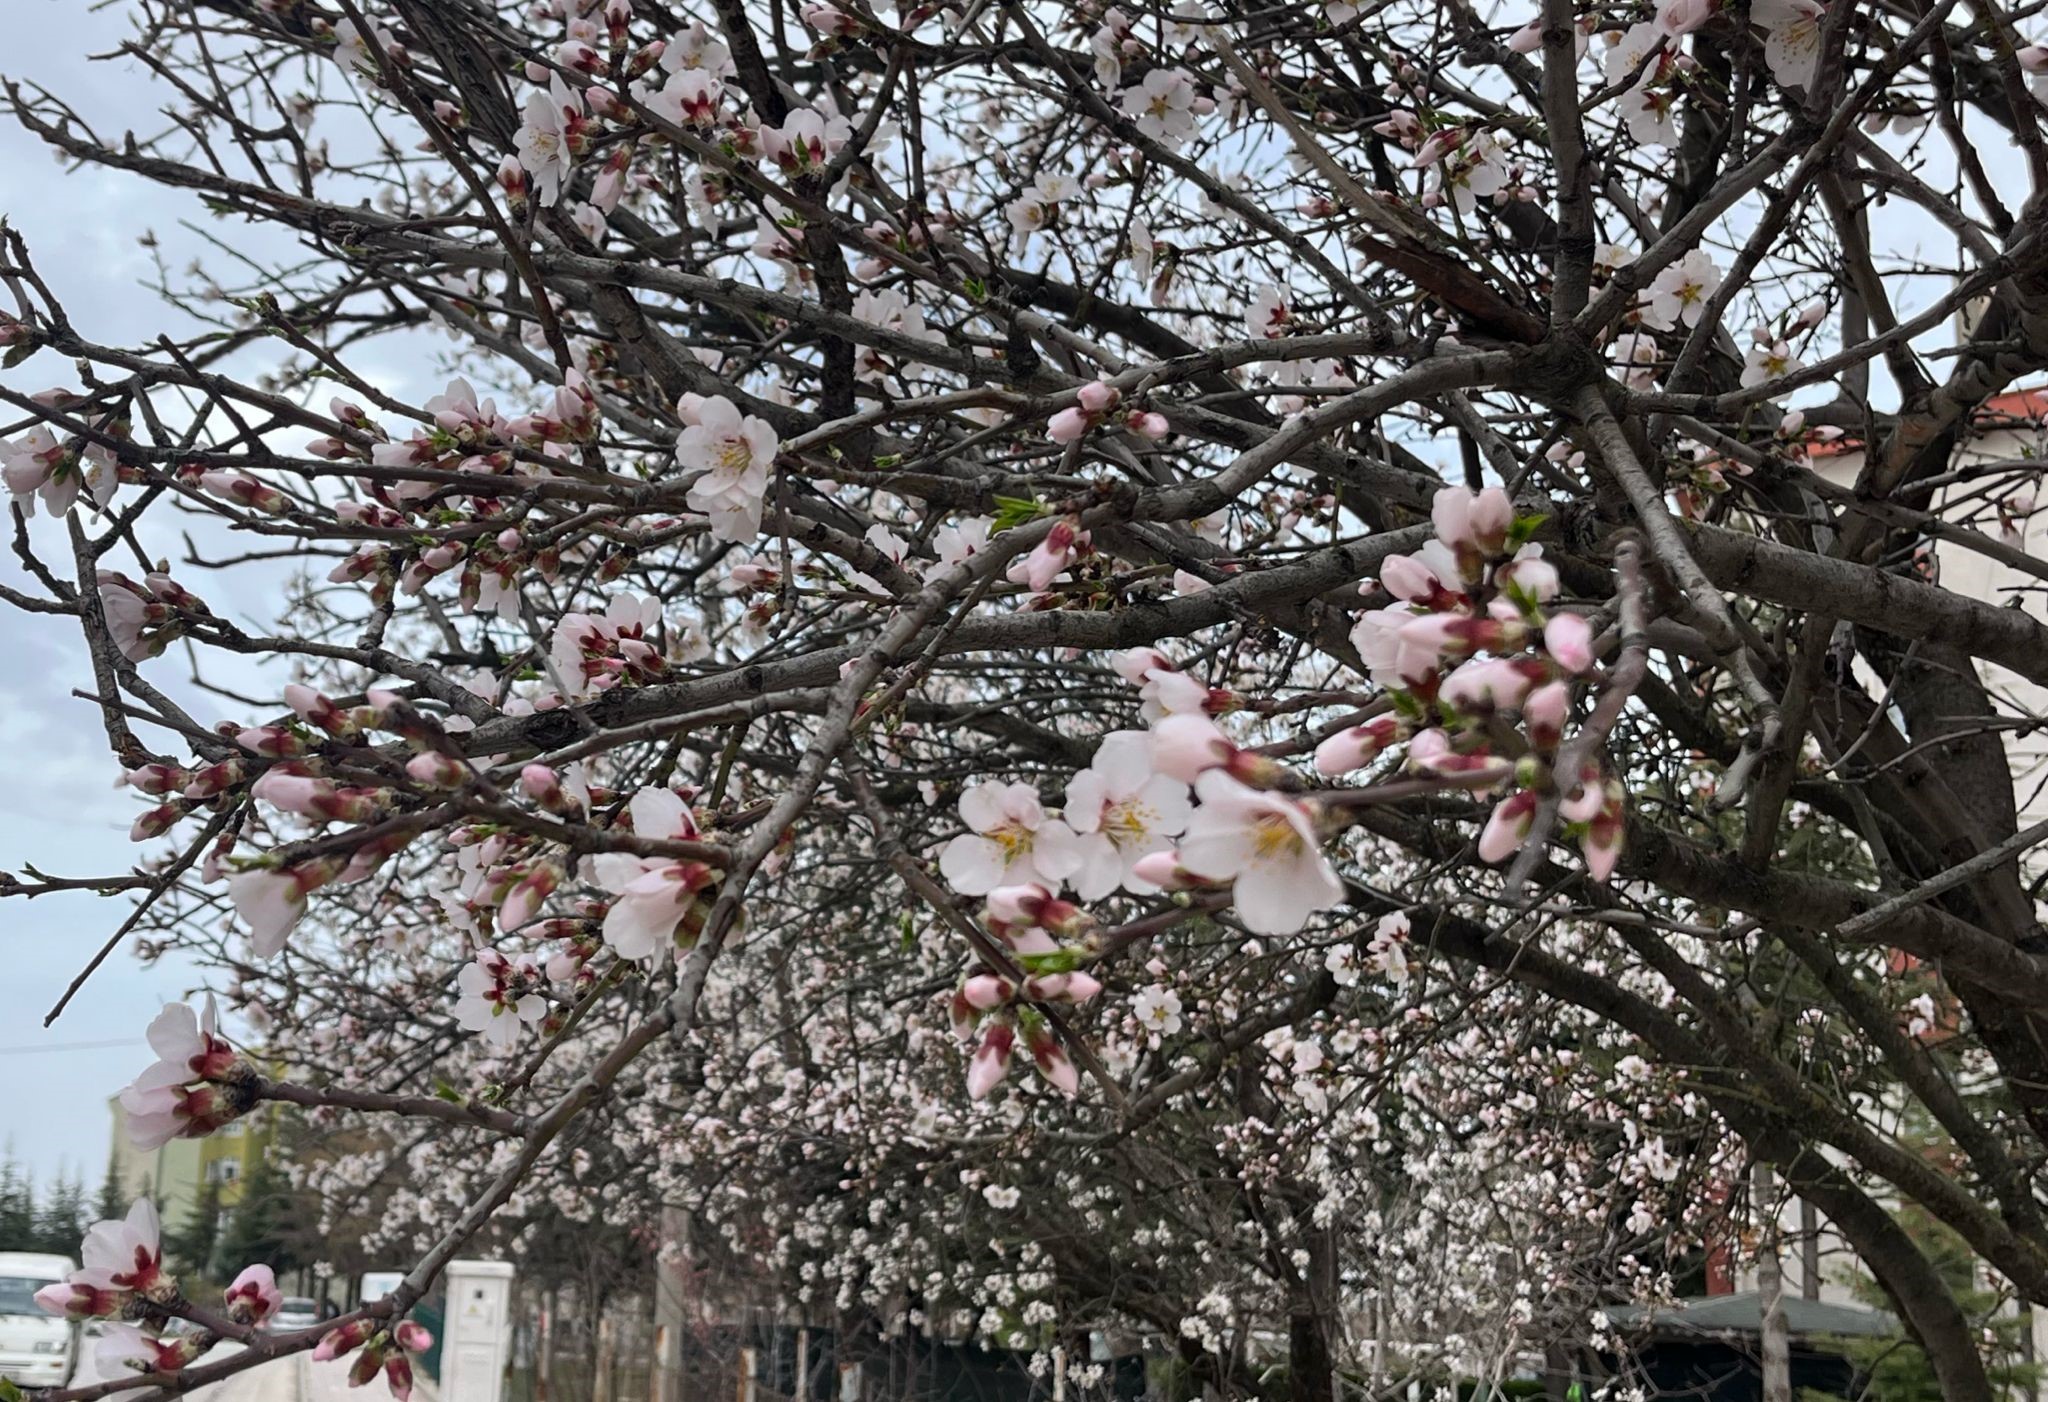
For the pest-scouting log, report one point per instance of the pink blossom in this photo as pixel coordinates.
(1122, 810)
(1010, 842)
(1676, 17)
(1267, 846)
(271, 901)
(652, 895)
(75, 1300)
(124, 1254)
(497, 999)
(735, 455)
(188, 1047)
(124, 1348)
(254, 1296)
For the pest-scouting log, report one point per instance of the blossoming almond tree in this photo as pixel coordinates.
(1286, 573)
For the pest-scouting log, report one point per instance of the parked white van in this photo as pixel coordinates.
(36, 1349)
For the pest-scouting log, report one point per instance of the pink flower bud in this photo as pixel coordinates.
(1097, 397)
(985, 992)
(991, 1060)
(1409, 579)
(435, 770)
(1082, 987)
(1018, 905)
(155, 822)
(1544, 714)
(1358, 746)
(154, 779)
(544, 786)
(1568, 638)
(342, 1339)
(1150, 424)
(1508, 827)
(1067, 426)
(1492, 516)
(1163, 870)
(1052, 1060)
(270, 741)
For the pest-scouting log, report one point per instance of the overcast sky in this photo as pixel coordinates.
(66, 818)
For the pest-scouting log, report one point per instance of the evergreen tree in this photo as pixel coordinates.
(192, 1243)
(60, 1219)
(113, 1201)
(258, 1230)
(17, 1206)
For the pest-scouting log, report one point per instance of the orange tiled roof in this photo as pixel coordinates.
(2013, 409)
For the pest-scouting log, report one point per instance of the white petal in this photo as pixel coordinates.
(981, 806)
(1102, 867)
(660, 813)
(174, 1033)
(1056, 852)
(972, 865)
(1086, 793)
(1124, 760)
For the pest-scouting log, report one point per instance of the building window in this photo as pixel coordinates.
(223, 1170)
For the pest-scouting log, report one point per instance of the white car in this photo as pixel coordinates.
(36, 1349)
(295, 1312)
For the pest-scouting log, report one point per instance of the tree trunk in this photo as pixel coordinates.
(1311, 1371)
(1770, 1271)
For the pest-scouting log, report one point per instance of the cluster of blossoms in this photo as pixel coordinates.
(38, 465)
(197, 1084)
(1479, 669)
(123, 1279)
(1471, 643)
(377, 1350)
(123, 1282)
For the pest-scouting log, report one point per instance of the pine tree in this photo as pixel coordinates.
(60, 1220)
(113, 1202)
(257, 1231)
(192, 1244)
(17, 1206)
